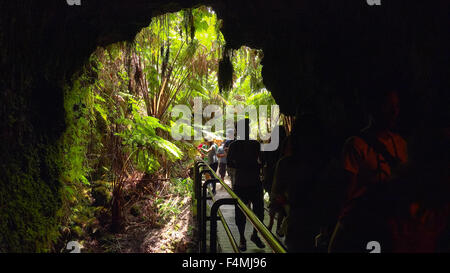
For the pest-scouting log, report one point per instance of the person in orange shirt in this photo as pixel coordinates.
(411, 213)
(369, 159)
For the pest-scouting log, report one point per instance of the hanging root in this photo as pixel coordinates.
(225, 75)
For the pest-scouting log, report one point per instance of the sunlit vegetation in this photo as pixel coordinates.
(124, 176)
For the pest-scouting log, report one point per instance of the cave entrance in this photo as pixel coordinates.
(119, 118)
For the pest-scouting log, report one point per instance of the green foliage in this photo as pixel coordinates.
(75, 213)
(75, 138)
(170, 206)
(260, 98)
(141, 134)
(167, 208)
(182, 186)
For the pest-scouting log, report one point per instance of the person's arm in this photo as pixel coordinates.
(208, 149)
(260, 157)
(279, 179)
(213, 147)
(352, 158)
(230, 156)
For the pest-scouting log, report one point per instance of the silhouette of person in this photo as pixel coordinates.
(202, 148)
(270, 159)
(230, 138)
(222, 160)
(244, 156)
(295, 185)
(411, 214)
(369, 159)
(211, 152)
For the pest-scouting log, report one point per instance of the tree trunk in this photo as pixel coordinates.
(117, 219)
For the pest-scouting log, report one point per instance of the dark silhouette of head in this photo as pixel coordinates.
(384, 108)
(243, 129)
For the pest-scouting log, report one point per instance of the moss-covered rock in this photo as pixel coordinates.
(30, 199)
(101, 193)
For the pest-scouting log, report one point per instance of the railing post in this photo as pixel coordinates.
(202, 211)
(198, 197)
(213, 230)
(204, 218)
(197, 190)
(267, 235)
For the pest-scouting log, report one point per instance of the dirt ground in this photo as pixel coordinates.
(145, 233)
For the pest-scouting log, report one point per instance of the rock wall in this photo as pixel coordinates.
(319, 56)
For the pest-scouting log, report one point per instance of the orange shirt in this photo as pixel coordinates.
(368, 165)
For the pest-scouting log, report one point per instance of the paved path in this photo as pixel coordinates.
(228, 214)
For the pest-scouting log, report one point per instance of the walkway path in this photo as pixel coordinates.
(228, 214)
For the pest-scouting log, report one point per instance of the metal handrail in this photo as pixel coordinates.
(215, 211)
(270, 239)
